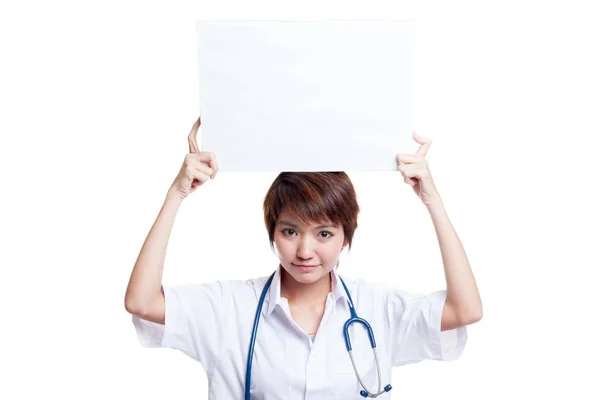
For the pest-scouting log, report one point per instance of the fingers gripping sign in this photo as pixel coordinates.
(192, 141)
(198, 166)
(415, 170)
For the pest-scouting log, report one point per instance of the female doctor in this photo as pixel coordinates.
(304, 332)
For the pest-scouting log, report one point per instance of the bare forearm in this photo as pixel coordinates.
(462, 292)
(146, 277)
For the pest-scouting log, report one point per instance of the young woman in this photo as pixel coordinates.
(287, 336)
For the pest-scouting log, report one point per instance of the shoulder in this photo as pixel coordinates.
(380, 292)
(218, 290)
(364, 290)
(360, 284)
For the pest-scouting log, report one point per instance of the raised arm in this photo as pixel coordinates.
(463, 303)
(144, 296)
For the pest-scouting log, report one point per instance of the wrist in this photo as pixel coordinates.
(173, 196)
(435, 205)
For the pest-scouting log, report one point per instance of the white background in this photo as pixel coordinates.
(97, 99)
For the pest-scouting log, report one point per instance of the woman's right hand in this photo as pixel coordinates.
(197, 167)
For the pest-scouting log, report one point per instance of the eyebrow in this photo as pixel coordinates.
(283, 222)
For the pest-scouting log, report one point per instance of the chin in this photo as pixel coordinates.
(306, 278)
(309, 276)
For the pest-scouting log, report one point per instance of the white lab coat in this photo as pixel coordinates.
(212, 323)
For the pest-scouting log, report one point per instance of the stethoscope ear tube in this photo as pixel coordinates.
(253, 337)
(364, 393)
(355, 318)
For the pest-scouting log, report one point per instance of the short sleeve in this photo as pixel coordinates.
(415, 322)
(192, 324)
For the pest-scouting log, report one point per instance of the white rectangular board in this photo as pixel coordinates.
(331, 95)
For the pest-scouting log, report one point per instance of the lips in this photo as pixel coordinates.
(305, 266)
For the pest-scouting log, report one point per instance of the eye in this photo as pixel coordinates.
(286, 232)
(327, 233)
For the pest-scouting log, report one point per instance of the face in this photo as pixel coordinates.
(307, 252)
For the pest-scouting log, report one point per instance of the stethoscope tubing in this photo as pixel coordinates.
(353, 319)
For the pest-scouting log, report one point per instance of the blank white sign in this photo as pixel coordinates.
(332, 95)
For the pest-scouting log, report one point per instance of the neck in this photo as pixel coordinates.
(304, 293)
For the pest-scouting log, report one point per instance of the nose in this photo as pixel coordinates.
(306, 248)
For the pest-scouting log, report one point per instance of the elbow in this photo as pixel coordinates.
(476, 318)
(472, 316)
(137, 305)
(132, 305)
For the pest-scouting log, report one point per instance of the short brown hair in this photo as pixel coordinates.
(313, 197)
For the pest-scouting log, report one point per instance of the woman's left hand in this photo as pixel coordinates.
(415, 170)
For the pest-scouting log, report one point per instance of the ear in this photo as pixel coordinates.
(345, 243)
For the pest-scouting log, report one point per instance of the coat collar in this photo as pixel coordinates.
(274, 295)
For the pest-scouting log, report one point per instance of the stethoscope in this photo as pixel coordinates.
(353, 318)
